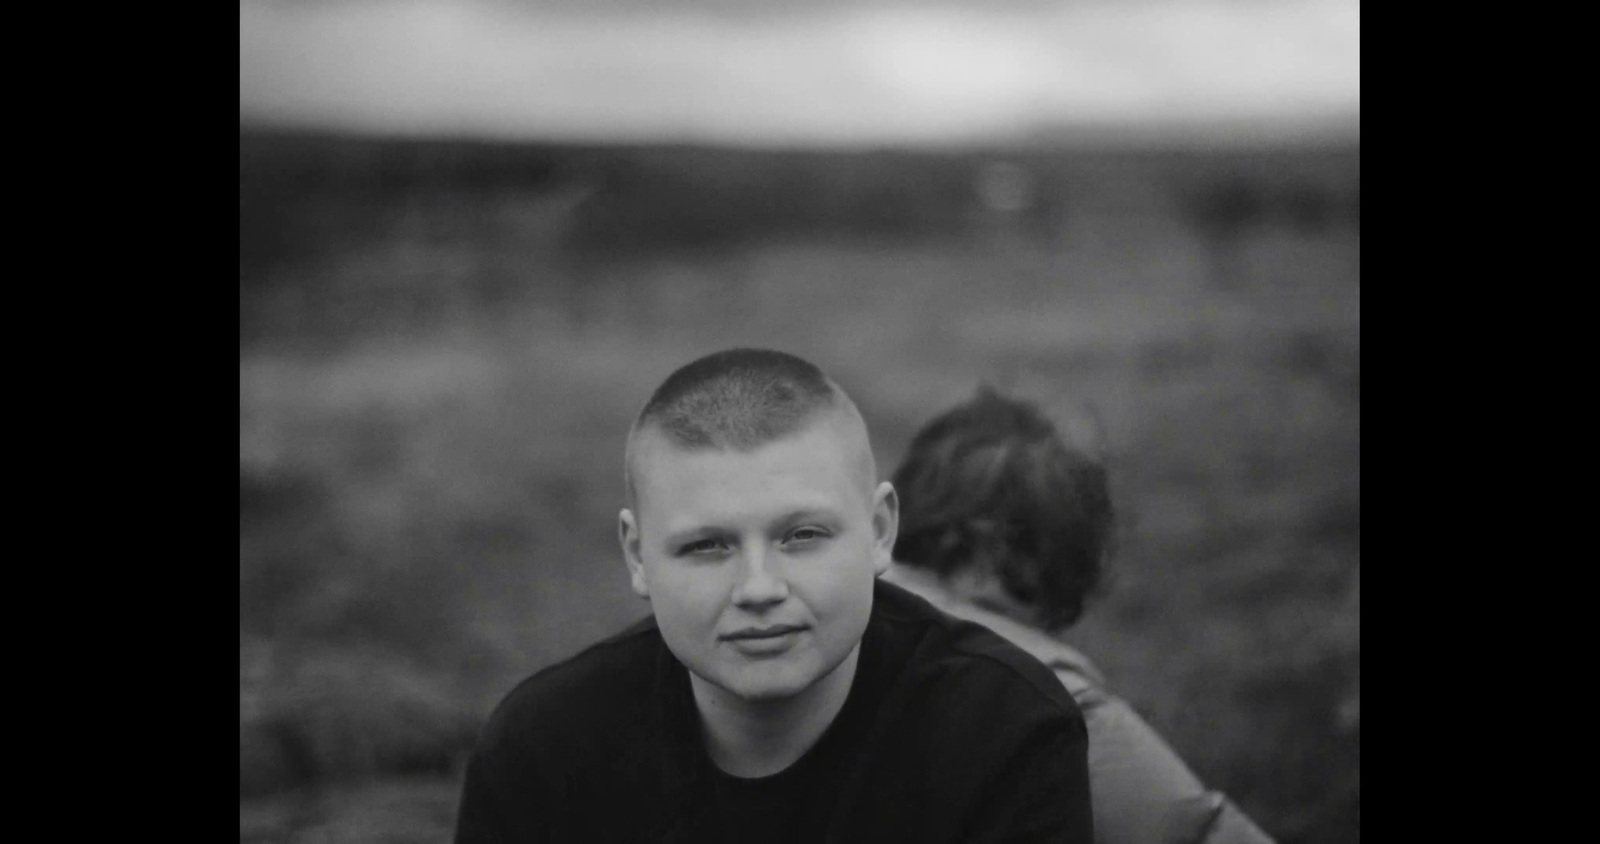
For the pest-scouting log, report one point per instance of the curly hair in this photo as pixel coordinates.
(990, 482)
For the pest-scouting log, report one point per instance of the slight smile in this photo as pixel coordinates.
(765, 642)
(758, 633)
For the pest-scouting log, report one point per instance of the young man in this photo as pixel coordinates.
(780, 692)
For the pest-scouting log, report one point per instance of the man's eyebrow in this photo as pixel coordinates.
(809, 514)
(691, 534)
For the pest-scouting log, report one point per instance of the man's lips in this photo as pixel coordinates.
(772, 632)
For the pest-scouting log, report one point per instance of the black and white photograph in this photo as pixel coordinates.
(822, 421)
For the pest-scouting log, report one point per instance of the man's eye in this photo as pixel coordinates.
(806, 535)
(702, 546)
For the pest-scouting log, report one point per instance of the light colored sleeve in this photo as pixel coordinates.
(1141, 791)
(1210, 818)
(1234, 827)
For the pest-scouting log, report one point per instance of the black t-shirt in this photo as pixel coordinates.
(781, 807)
(949, 733)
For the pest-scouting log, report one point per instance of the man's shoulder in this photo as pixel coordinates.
(564, 742)
(1083, 679)
(972, 664)
(582, 694)
(972, 732)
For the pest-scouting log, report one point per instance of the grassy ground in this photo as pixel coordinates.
(435, 382)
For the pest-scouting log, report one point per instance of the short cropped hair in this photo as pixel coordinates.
(738, 398)
(991, 482)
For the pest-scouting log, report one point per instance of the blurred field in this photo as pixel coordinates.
(442, 345)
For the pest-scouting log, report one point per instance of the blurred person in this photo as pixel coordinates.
(1003, 523)
(780, 691)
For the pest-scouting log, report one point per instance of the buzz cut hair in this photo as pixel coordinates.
(738, 399)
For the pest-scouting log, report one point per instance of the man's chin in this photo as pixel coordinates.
(769, 689)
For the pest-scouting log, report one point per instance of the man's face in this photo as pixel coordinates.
(759, 565)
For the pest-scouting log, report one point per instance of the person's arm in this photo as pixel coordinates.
(1143, 791)
(1232, 826)
(1042, 795)
(480, 818)
(488, 814)
(1211, 818)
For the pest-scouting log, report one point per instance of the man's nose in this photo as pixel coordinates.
(758, 583)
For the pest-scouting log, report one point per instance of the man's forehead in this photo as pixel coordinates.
(833, 436)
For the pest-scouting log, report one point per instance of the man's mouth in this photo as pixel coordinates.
(758, 633)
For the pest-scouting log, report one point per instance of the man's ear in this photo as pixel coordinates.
(628, 535)
(885, 526)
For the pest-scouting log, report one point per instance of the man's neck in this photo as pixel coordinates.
(760, 738)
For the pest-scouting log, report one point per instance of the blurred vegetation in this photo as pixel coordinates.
(442, 345)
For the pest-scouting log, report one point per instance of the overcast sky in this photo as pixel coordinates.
(820, 72)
